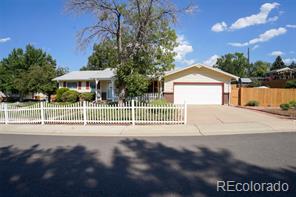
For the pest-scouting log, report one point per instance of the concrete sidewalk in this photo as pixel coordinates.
(147, 130)
(92, 130)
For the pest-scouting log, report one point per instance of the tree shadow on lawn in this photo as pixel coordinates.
(138, 168)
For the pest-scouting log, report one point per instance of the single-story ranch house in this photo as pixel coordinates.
(196, 84)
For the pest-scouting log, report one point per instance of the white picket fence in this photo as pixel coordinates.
(148, 97)
(89, 113)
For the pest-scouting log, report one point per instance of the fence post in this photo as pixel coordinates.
(185, 112)
(42, 112)
(6, 113)
(84, 113)
(133, 112)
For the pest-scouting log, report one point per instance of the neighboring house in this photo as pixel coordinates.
(2, 96)
(198, 84)
(244, 82)
(278, 78)
(100, 82)
(15, 96)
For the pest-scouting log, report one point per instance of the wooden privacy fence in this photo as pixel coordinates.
(267, 97)
(89, 113)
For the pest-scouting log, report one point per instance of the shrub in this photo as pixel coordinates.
(292, 104)
(70, 96)
(158, 102)
(60, 92)
(252, 103)
(87, 96)
(285, 106)
(291, 84)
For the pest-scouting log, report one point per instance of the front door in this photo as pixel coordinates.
(109, 91)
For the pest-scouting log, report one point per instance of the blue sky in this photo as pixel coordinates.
(217, 27)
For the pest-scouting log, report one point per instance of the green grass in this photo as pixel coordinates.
(158, 102)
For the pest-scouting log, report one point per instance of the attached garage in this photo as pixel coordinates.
(198, 84)
(198, 93)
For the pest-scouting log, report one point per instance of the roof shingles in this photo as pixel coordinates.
(87, 75)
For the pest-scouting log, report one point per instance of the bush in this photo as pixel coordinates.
(60, 92)
(252, 103)
(285, 106)
(291, 84)
(158, 102)
(292, 104)
(87, 96)
(70, 96)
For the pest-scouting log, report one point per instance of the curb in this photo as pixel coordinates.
(189, 130)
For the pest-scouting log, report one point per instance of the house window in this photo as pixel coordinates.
(72, 85)
(64, 84)
(93, 86)
(79, 85)
(87, 85)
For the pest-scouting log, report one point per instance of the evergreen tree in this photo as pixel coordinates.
(278, 64)
(293, 65)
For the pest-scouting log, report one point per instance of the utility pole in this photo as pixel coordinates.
(248, 55)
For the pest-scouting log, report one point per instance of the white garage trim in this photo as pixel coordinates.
(221, 93)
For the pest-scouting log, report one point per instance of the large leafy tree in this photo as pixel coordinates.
(236, 64)
(12, 68)
(139, 32)
(258, 69)
(278, 64)
(103, 56)
(27, 71)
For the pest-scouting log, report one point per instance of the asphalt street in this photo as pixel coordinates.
(155, 166)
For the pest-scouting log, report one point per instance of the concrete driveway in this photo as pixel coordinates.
(223, 119)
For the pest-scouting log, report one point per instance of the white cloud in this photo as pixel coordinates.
(218, 27)
(255, 47)
(291, 26)
(183, 48)
(256, 19)
(188, 61)
(276, 53)
(238, 44)
(211, 61)
(273, 19)
(266, 36)
(289, 60)
(191, 9)
(2, 40)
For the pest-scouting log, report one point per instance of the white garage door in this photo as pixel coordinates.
(202, 94)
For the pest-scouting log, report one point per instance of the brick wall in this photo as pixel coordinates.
(169, 97)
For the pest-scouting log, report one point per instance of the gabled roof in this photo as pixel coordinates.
(200, 66)
(87, 75)
(281, 70)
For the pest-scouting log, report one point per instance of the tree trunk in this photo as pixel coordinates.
(121, 95)
(48, 96)
(122, 88)
(119, 39)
